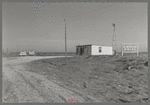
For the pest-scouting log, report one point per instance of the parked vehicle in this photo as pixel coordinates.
(32, 53)
(23, 53)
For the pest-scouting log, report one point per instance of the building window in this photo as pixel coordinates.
(100, 49)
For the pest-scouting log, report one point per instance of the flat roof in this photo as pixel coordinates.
(85, 45)
(92, 45)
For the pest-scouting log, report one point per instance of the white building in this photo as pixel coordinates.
(94, 50)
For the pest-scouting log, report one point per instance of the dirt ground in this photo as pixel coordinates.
(20, 85)
(112, 79)
(83, 79)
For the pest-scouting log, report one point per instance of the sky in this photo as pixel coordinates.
(41, 27)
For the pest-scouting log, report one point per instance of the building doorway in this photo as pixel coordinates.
(80, 51)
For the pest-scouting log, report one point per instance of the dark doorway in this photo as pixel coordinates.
(80, 51)
(100, 50)
(77, 51)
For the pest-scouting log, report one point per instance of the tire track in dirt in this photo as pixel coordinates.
(22, 89)
(40, 91)
(31, 87)
(87, 98)
(8, 90)
(49, 89)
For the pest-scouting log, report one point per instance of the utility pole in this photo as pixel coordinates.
(114, 39)
(17, 49)
(7, 50)
(65, 42)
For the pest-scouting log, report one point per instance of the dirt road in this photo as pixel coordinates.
(21, 86)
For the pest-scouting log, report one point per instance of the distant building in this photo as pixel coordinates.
(32, 52)
(23, 53)
(94, 50)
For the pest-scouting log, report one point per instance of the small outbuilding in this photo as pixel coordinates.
(94, 50)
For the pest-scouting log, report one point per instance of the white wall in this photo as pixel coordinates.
(106, 50)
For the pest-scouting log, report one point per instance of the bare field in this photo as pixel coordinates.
(20, 85)
(15, 54)
(111, 79)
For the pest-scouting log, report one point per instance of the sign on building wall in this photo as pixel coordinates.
(130, 48)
